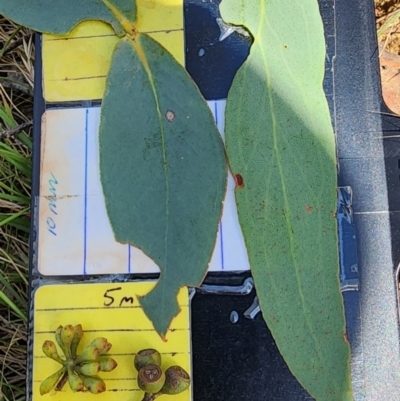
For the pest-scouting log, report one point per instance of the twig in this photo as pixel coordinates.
(12, 131)
(150, 397)
(14, 84)
(62, 382)
(9, 46)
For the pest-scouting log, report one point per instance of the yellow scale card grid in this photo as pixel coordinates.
(75, 66)
(112, 311)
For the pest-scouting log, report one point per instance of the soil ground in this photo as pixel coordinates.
(385, 9)
(388, 28)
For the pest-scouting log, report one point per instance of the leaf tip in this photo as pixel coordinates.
(160, 317)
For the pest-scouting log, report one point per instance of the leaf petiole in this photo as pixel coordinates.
(127, 25)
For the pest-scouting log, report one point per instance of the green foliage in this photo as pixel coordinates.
(281, 147)
(61, 17)
(163, 169)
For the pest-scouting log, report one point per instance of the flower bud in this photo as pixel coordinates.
(75, 382)
(59, 341)
(51, 382)
(90, 369)
(50, 350)
(78, 334)
(94, 384)
(90, 354)
(102, 344)
(107, 364)
(67, 333)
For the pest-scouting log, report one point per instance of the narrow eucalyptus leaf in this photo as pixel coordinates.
(281, 149)
(163, 169)
(60, 17)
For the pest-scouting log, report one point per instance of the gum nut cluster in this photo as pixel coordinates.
(80, 371)
(153, 380)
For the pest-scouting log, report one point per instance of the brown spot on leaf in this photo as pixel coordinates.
(238, 181)
(170, 115)
(346, 340)
(309, 209)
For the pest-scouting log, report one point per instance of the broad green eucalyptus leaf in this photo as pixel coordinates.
(163, 169)
(281, 149)
(61, 16)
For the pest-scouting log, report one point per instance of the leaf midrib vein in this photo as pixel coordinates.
(138, 48)
(123, 21)
(282, 180)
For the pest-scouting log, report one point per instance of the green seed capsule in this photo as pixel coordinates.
(147, 357)
(50, 350)
(151, 379)
(51, 382)
(177, 380)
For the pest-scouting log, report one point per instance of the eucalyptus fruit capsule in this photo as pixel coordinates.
(151, 379)
(177, 380)
(146, 357)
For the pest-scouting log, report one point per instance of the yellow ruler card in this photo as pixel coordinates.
(112, 311)
(75, 66)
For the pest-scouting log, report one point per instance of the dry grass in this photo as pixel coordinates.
(387, 14)
(16, 88)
